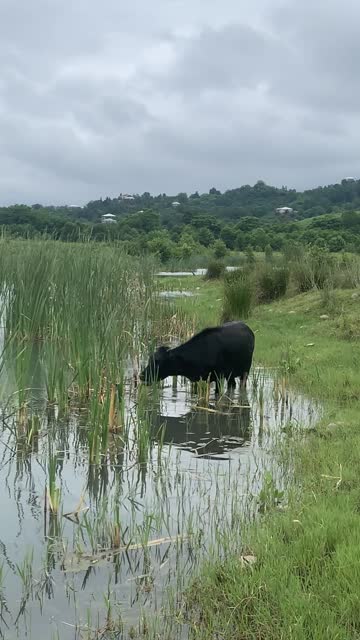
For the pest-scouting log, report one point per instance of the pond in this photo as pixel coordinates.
(176, 294)
(196, 272)
(175, 485)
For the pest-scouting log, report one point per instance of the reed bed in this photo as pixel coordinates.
(142, 515)
(117, 508)
(89, 312)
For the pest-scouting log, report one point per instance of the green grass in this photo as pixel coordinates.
(204, 305)
(305, 583)
(238, 296)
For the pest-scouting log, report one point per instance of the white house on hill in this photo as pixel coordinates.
(108, 218)
(126, 196)
(284, 210)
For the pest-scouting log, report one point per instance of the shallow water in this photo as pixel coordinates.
(176, 294)
(190, 481)
(196, 272)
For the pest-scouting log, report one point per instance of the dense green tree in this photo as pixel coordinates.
(182, 198)
(350, 219)
(219, 249)
(145, 221)
(336, 243)
(228, 236)
(187, 217)
(248, 223)
(245, 216)
(320, 242)
(242, 240)
(250, 257)
(259, 238)
(205, 237)
(162, 246)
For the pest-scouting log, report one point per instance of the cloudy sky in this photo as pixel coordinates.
(175, 95)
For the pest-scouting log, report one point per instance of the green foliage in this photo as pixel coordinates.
(238, 296)
(293, 252)
(205, 237)
(228, 236)
(307, 550)
(315, 271)
(215, 270)
(321, 242)
(239, 218)
(250, 257)
(219, 249)
(336, 243)
(85, 304)
(329, 302)
(289, 361)
(162, 246)
(272, 282)
(269, 496)
(269, 254)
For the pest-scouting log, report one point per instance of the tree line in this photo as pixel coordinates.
(180, 226)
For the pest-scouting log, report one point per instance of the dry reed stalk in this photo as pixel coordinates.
(207, 392)
(112, 408)
(115, 542)
(76, 562)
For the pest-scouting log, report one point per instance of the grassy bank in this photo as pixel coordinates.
(305, 583)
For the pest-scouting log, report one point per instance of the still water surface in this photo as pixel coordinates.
(167, 498)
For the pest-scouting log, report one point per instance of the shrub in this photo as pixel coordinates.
(219, 249)
(250, 256)
(336, 243)
(315, 271)
(238, 296)
(293, 251)
(302, 275)
(329, 301)
(215, 270)
(272, 283)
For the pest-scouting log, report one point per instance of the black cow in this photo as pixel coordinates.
(214, 353)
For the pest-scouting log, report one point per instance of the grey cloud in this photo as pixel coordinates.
(324, 55)
(97, 99)
(233, 56)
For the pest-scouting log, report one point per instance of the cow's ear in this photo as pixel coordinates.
(161, 351)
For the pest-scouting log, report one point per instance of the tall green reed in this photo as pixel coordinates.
(90, 306)
(238, 297)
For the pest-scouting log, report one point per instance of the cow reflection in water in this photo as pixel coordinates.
(204, 433)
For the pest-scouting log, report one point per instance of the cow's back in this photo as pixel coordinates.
(227, 348)
(237, 343)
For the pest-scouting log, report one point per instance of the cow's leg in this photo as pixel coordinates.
(243, 380)
(231, 382)
(217, 385)
(194, 387)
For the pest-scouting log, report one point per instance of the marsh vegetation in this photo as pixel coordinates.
(115, 495)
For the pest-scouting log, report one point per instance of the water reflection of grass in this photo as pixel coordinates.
(148, 512)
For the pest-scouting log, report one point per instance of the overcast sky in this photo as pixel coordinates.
(175, 95)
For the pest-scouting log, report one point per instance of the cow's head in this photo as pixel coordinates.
(158, 367)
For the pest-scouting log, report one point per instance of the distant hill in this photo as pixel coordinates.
(257, 217)
(260, 200)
